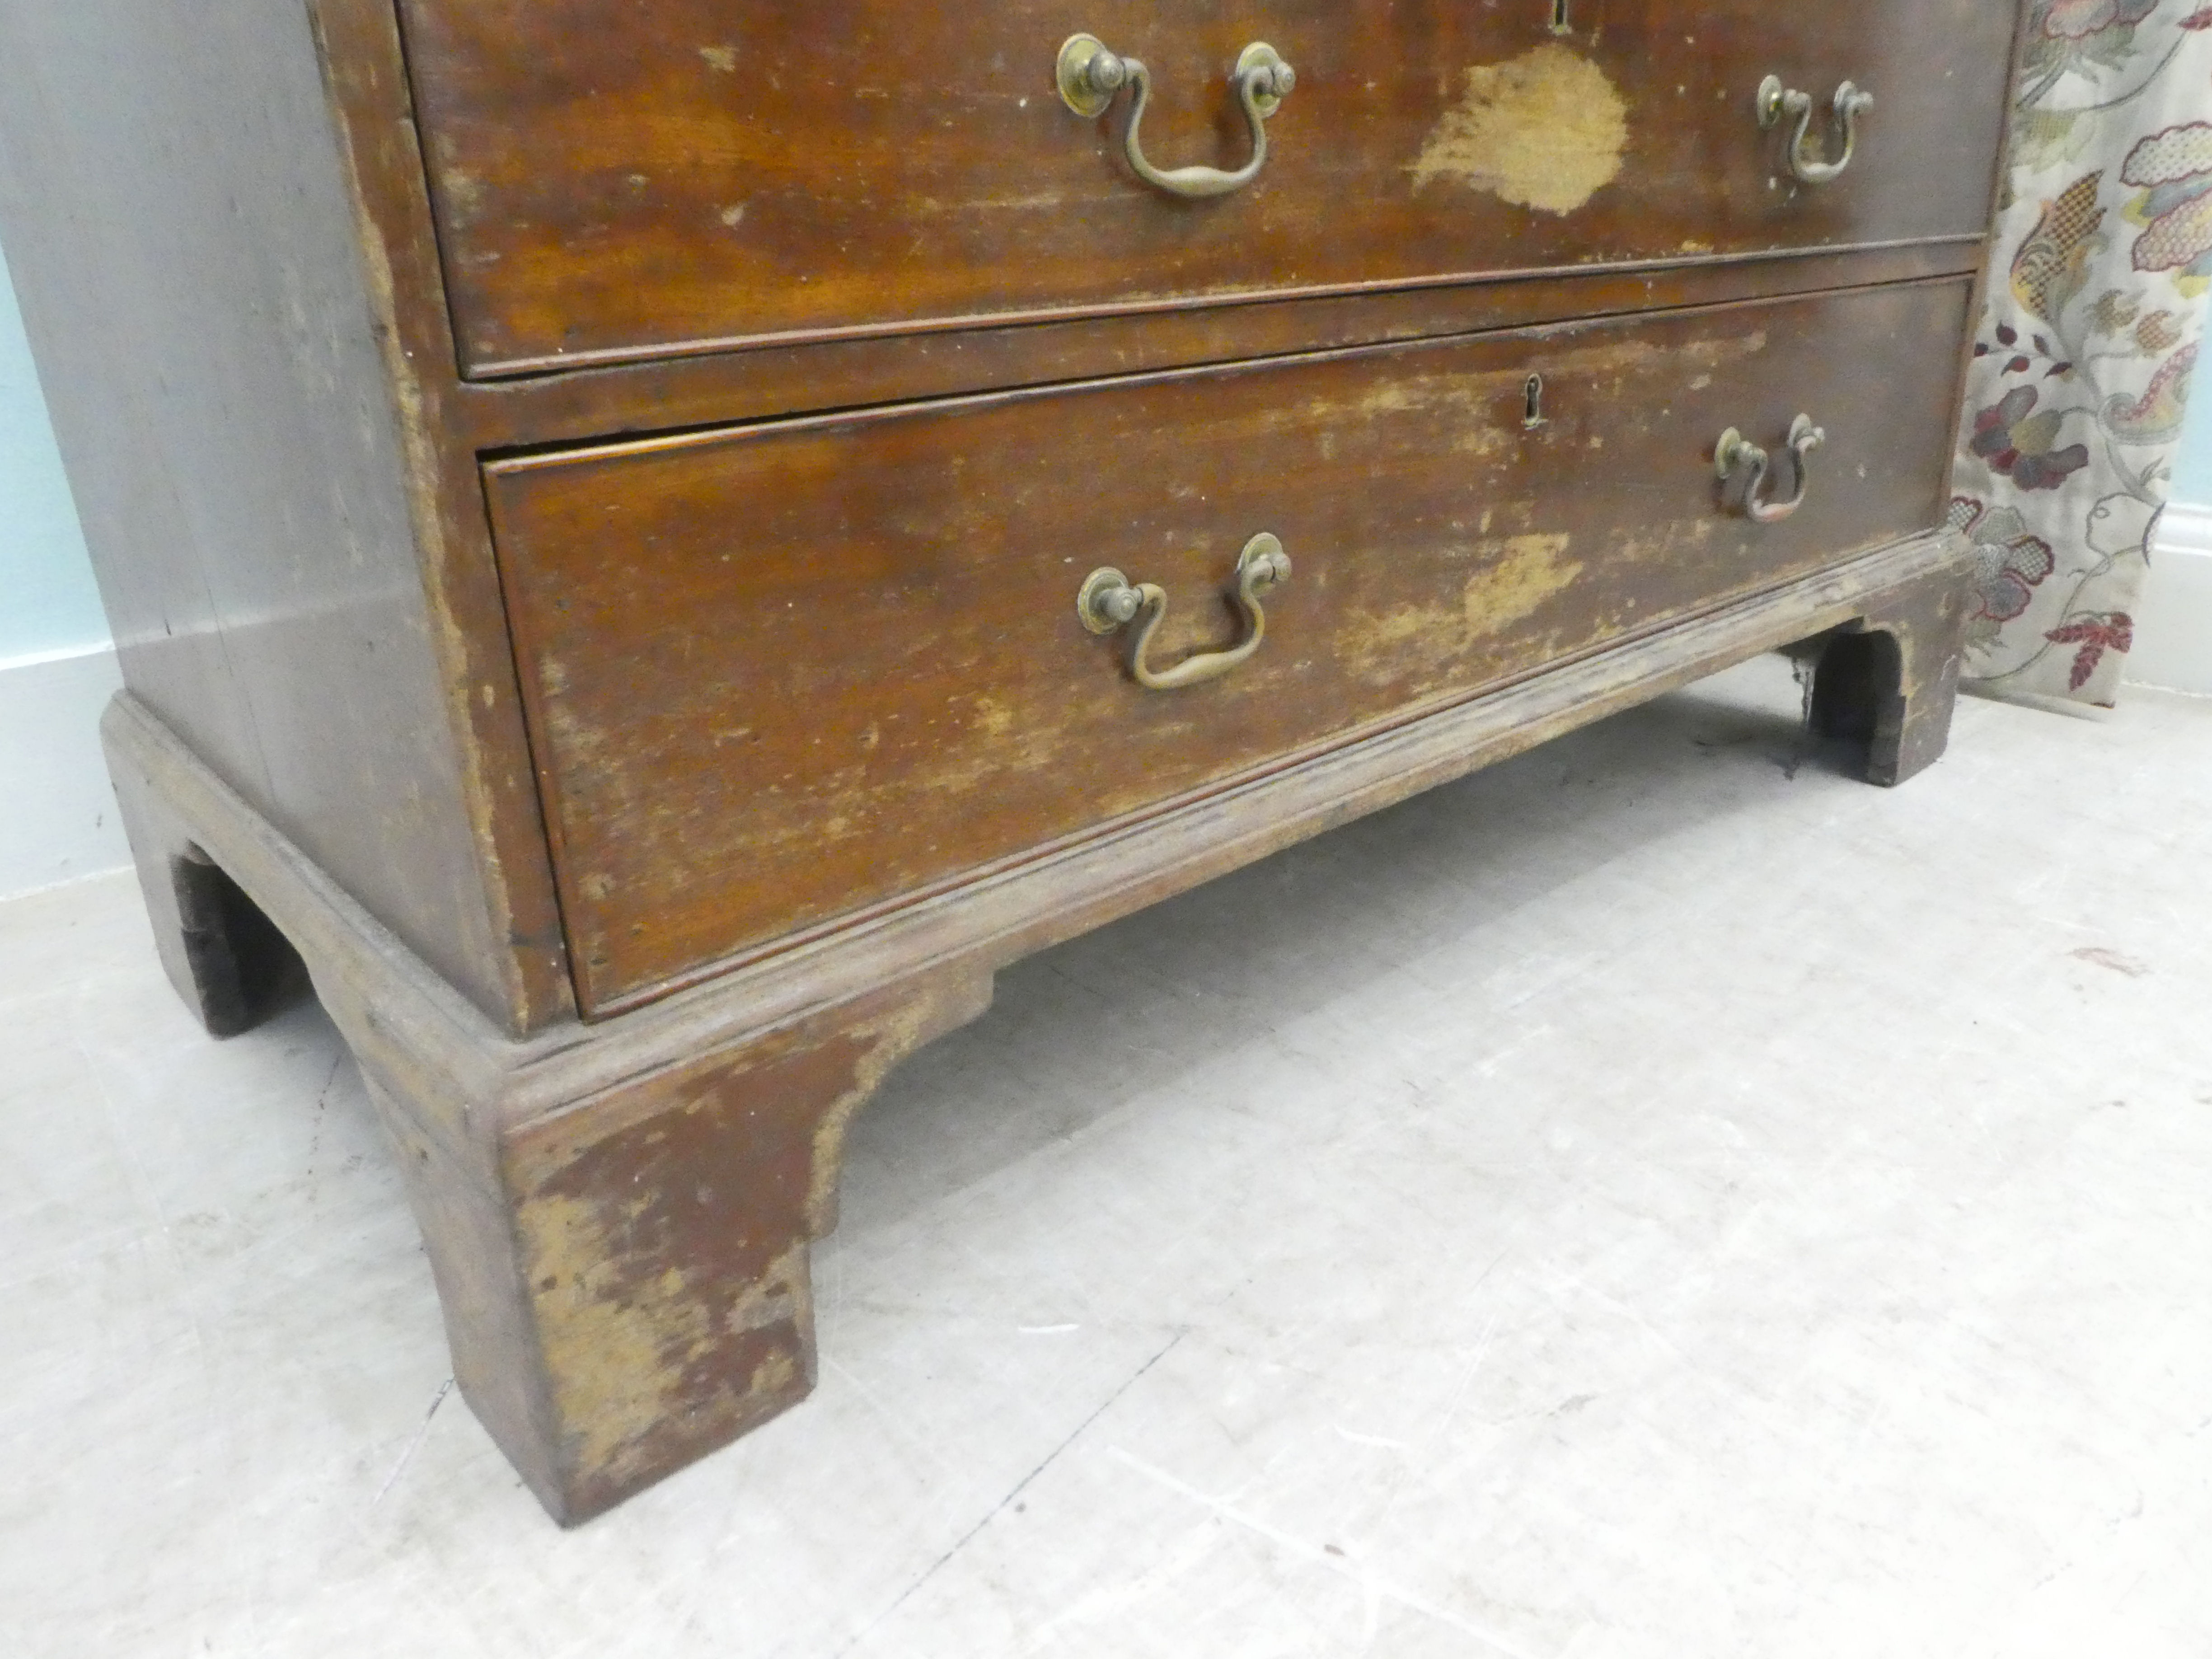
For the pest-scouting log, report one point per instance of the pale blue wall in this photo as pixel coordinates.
(47, 600)
(2192, 467)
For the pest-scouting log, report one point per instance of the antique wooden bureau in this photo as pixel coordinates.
(659, 543)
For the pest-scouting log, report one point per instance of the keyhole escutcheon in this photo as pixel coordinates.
(1531, 404)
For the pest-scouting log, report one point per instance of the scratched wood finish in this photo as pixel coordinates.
(176, 224)
(779, 675)
(826, 745)
(615, 180)
(722, 389)
(618, 1222)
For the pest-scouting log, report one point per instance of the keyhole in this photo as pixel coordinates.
(1532, 416)
(1559, 23)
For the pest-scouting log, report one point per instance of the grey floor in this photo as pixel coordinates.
(1658, 1197)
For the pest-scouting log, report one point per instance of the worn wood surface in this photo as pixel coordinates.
(792, 671)
(179, 232)
(1891, 678)
(228, 962)
(689, 392)
(619, 181)
(617, 1213)
(293, 542)
(453, 418)
(662, 1228)
(823, 744)
(368, 108)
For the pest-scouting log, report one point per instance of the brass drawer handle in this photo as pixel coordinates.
(1848, 104)
(1090, 76)
(1743, 466)
(1109, 602)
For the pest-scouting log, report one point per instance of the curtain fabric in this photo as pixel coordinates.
(2082, 366)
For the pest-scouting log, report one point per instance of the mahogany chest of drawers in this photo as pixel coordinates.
(656, 546)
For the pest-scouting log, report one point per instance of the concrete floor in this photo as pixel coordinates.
(1658, 1197)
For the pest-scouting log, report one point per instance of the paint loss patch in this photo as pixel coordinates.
(1545, 130)
(1518, 576)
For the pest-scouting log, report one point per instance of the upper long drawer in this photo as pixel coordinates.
(615, 179)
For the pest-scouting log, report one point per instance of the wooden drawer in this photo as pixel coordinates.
(782, 674)
(615, 180)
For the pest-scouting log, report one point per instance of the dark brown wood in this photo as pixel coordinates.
(771, 381)
(823, 742)
(453, 419)
(179, 230)
(227, 961)
(626, 1282)
(623, 181)
(608, 1326)
(662, 1230)
(365, 78)
(842, 662)
(1890, 679)
(619, 1228)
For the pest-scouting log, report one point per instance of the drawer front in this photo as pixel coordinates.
(785, 673)
(615, 179)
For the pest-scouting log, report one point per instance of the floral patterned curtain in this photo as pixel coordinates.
(2081, 368)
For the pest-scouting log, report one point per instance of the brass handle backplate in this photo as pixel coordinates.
(1743, 467)
(1110, 602)
(1090, 76)
(1776, 101)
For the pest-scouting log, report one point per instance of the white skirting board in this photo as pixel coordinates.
(58, 822)
(2173, 624)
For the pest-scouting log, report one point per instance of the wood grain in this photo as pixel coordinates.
(617, 181)
(721, 389)
(180, 236)
(809, 357)
(365, 79)
(792, 671)
(600, 1369)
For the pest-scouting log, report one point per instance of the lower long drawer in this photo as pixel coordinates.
(792, 672)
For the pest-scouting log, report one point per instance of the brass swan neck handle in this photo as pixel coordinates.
(1110, 602)
(1850, 103)
(1743, 467)
(1090, 76)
